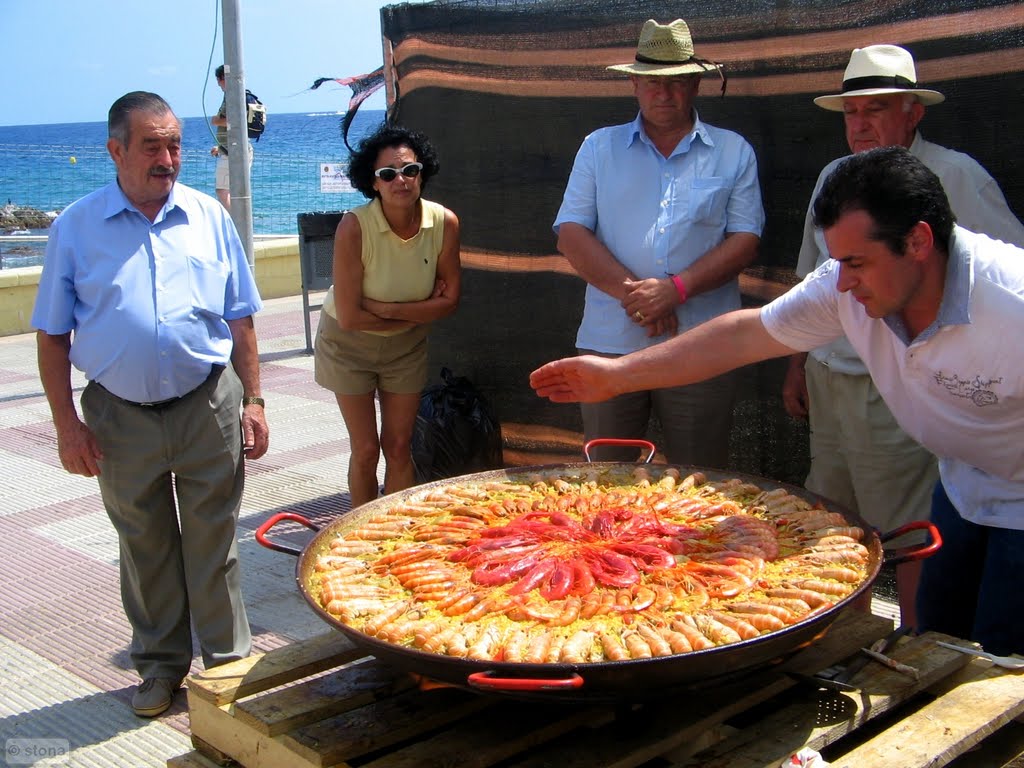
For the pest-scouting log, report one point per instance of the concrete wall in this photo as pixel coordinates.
(17, 295)
(277, 274)
(277, 267)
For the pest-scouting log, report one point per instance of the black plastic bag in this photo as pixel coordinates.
(456, 432)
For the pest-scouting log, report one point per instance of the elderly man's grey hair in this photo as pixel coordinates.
(119, 117)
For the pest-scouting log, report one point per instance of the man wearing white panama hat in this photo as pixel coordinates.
(660, 216)
(859, 456)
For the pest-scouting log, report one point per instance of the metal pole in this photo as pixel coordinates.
(238, 138)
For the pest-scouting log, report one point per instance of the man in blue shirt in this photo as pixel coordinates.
(145, 289)
(660, 216)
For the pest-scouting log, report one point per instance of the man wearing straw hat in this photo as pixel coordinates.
(859, 456)
(660, 216)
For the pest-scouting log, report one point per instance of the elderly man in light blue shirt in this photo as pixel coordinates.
(145, 288)
(659, 217)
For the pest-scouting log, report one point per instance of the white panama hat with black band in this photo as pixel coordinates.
(877, 70)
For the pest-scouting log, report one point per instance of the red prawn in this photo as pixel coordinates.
(558, 555)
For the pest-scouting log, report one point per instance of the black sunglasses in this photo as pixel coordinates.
(410, 171)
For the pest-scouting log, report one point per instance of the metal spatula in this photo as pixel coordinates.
(1008, 662)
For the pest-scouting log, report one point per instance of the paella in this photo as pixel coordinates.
(596, 565)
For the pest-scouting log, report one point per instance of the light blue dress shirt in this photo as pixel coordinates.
(658, 215)
(147, 301)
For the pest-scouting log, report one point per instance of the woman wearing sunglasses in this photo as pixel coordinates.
(396, 270)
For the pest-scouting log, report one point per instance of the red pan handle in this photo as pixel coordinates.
(485, 681)
(915, 551)
(263, 530)
(646, 444)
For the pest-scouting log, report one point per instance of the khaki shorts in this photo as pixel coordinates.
(356, 363)
(221, 175)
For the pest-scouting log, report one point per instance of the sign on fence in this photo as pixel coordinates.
(333, 178)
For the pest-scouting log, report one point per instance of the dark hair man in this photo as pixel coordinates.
(222, 181)
(929, 321)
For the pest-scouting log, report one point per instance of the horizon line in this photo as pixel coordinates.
(307, 113)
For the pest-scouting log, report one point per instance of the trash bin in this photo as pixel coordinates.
(316, 258)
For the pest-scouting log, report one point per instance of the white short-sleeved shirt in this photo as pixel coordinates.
(974, 196)
(958, 388)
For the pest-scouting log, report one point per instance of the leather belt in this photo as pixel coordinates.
(169, 401)
(158, 403)
(155, 405)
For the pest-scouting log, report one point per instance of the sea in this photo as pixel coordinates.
(47, 167)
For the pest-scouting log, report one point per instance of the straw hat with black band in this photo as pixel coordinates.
(878, 70)
(666, 50)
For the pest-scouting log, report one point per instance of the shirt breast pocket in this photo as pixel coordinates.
(208, 282)
(709, 198)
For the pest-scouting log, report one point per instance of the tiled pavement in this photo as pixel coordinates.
(64, 668)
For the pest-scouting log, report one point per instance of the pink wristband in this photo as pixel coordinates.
(677, 281)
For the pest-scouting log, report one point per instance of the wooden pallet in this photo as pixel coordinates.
(323, 703)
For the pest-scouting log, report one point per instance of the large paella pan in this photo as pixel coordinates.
(602, 580)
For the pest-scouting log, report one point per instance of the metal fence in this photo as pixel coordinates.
(49, 177)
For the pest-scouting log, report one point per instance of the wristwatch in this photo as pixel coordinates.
(254, 401)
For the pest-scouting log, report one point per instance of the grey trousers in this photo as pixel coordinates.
(696, 421)
(171, 479)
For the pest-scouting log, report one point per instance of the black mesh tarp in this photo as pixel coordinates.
(507, 90)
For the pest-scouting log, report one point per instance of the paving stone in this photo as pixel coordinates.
(42, 701)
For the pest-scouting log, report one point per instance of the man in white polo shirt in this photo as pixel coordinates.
(860, 458)
(927, 306)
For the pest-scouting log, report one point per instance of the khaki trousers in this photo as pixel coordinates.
(171, 481)
(860, 458)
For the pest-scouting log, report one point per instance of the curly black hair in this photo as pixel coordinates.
(362, 160)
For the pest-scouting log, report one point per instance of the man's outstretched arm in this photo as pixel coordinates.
(719, 345)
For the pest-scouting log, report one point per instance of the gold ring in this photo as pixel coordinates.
(639, 315)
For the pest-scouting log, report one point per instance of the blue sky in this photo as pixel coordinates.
(66, 61)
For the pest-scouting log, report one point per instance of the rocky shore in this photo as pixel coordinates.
(13, 217)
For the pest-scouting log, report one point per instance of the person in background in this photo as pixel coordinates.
(926, 305)
(396, 270)
(860, 458)
(145, 289)
(220, 150)
(659, 217)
